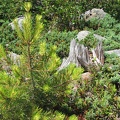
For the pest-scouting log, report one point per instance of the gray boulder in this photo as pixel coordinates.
(83, 34)
(117, 52)
(19, 20)
(94, 13)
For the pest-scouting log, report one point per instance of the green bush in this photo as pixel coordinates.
(107, 27)
(65, 15)
(60, 39)
(89, 41)
(107, 22)
(112, 68)
(8, 38)
(9, 9)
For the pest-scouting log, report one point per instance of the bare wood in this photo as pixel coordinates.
(81, 56)
(99, 52)
(71, 58)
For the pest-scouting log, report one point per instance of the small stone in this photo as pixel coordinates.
(86, 76)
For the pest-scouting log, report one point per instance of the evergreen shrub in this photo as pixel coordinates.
(60, 39)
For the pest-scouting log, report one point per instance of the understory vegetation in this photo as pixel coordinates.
(32, 87)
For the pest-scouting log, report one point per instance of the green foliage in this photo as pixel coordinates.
(111, 44)
(111, 69)
(107, 22)
(52, 86)
(54, 91)
(36, 88)
(15, 93)
(40, 73)
(3, 54)
(90, 41)
(61, 14)
(8, 38)
(11, 99)
(60, 39)
(107, 27)
(65, 15)
(104, 99)
(9, 9)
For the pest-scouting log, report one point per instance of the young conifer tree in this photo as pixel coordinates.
(28, 36)
(17, 83)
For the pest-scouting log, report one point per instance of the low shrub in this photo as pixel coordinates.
(60, 39)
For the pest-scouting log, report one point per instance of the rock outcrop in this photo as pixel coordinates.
(117, 52)
(94, 13)
(19, 20)
(83, 34)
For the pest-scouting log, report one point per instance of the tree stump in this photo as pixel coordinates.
(81, 56)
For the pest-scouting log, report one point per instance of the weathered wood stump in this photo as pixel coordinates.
(81, 56)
